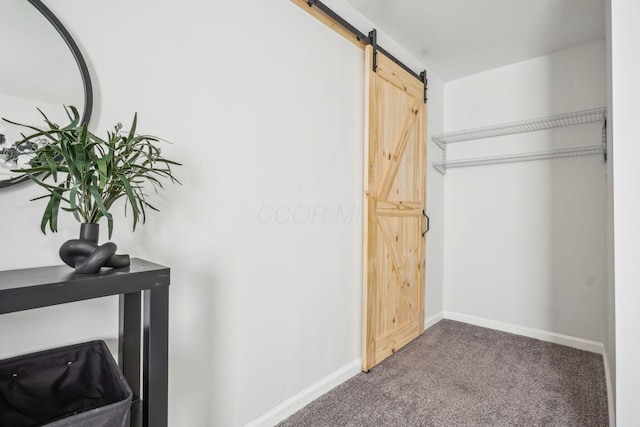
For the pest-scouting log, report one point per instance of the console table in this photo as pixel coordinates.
(46, 286)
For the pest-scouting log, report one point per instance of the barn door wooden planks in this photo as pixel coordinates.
(395, 181)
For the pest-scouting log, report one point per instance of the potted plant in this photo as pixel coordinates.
(85, 175)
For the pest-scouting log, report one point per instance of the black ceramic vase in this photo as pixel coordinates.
(86, 256)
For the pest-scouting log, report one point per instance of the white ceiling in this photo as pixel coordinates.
(457, 38)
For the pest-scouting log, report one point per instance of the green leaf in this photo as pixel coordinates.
(132, 132)
(102, 208)
(110, 225)
(52, 165)
(56, 197)
(73, 203)
(46, 217)
(75, 120)
(102, 169)
(131, 196)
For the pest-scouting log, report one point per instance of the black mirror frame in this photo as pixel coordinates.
(82, 65)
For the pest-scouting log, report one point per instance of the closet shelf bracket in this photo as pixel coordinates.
(604, 137)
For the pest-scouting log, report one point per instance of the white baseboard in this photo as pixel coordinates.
(569, 341)
(433, 320)
(609, 381)
(306, 396)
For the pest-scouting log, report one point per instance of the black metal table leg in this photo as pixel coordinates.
(156, 357)
(129, 351)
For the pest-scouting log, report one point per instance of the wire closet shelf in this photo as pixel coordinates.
(569, 119)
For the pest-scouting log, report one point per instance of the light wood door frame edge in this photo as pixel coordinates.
(367, 227)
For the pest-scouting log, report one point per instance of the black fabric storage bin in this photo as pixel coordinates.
(75, 386)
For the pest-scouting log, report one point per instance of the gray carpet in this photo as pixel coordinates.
(457, 374)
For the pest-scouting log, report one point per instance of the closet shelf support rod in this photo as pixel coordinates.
(542, 155)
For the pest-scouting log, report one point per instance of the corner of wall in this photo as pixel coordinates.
(610, 346)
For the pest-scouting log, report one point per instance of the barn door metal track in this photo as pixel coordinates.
(368, 39)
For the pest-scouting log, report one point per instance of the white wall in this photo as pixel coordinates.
(625, 64)
(610, 343)
(264, 106)
(526, 242)
(434, 290)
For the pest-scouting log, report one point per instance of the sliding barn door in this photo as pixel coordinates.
(394, 246)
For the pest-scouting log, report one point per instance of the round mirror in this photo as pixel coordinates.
(42, 68)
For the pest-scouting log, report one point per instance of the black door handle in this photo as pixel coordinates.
(428, 221)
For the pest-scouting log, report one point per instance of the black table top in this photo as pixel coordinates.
(44, 286)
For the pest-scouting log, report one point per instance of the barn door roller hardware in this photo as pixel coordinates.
(423, 77)
(373, 37)
(370, 39)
